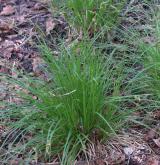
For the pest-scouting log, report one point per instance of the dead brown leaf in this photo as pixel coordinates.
(50, 25)
(116, 158)
(39, 6)
(150, 135)
(157, 142)
(5, 70)
(7, 10)
(153, 161)
(156, 114)
(21, 19)
(6, 48)
(6, 26)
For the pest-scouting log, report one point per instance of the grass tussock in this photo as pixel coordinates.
(81, 101)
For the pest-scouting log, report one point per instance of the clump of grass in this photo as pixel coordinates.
(82, 100)
(151, 56)
(91, 15)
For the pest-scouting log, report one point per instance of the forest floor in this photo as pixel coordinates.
(19, 20)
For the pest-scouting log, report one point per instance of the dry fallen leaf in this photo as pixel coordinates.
(21, 19)
(116, 158)
(150, 135)
(4, 70)
(156, 114)
(157, 142)
(153, 161)
(6, 48)
(50, 25)
(39, 6)
(4, 26)
(7, 10)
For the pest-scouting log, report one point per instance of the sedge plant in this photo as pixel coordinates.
(84, 97)
(81, 100)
